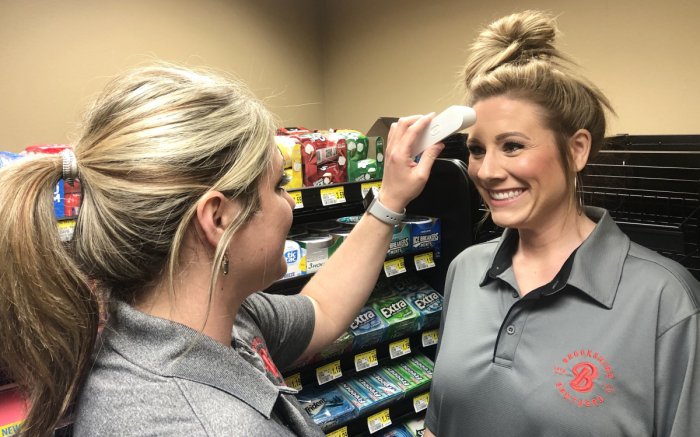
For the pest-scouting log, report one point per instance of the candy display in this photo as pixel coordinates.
(381, 382)
(349, 221)
(415, 425)
(290, 147)
(293, 255)
(382, 290)
(325, 405)
(399, 314)
(408, 283)
(400, 240)
(316, 249)
(356, 395)
(324, 159)
(429, 304)
(421, 363)
(325, 226)
(369, 328)
(371, 388)
(408, 378)
(340, 346)
(426, 234)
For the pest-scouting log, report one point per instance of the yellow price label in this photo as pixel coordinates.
(400, 348)
(329, 372)
(424, 261)
(378, 421)
(420, 402)
(368, 186)
(333, 195)
(430, 338)
(394, 267)
(294, 381)
(11, 429)
(298, 201)
(66, 228)
(342, 432)
(366, 360)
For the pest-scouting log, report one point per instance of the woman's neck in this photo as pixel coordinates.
(543, 250)
(190, 303)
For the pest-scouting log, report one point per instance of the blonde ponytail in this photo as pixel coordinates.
(48, 312)
(517, 57)
(155, 141)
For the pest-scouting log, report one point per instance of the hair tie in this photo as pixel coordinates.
(70, 166)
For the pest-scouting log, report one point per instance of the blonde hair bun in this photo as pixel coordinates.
(516, 39)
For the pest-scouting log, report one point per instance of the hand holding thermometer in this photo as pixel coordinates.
(453, 119)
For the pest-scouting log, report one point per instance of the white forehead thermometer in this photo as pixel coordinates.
(453, 119)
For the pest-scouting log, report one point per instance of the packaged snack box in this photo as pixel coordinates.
(399, 314)
(382, 290)
(378, 396)
(369, 328)
(323, 158)
(400, 240)
(404, 381)
(325, 405)
(421, 363)
(419, 382)
(376, 151)
(429, 305)
(384, 383)
(415, 425)
(340, 346)
(292, 131)
(409, 283)
(293, 255)
(356, 395)
(393, 431)
(349, 221)
(362, 170)
(290, 147)
(316, 249)
(425, 235)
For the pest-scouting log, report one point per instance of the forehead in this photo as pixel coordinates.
(502, 114)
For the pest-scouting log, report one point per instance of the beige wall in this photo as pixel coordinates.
(54, 55)
(369, 58)
(400, 57)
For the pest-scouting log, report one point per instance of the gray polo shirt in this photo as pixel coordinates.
(141, 384)
(610, 347)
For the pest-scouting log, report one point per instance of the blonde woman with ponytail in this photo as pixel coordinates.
(183, 221)
(562, 327)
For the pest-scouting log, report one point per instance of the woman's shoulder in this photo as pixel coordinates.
(480, 253)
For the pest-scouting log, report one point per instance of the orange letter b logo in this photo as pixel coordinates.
(585, 373)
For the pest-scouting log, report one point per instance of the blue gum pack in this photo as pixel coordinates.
(368, 328)
(325, 405)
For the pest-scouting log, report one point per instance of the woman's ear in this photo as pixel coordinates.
(214, 213)
(580, 144)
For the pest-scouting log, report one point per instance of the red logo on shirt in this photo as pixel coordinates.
(261, 349)
(585, 373)
(580, 371)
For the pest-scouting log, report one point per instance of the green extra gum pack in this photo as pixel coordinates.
(399, 314)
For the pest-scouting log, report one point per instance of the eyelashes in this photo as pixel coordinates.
(284, 180)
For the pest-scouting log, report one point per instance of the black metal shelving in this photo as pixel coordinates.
(447, 196)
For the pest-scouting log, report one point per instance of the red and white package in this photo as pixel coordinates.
(324, 158)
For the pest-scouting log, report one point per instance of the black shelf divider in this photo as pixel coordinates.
(347, 360)
(397, 410)
(448, 195)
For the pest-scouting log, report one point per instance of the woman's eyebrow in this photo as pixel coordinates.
(499, 137)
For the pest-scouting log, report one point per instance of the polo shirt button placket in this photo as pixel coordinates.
(510, 330)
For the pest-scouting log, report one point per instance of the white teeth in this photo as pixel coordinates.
(505, 194)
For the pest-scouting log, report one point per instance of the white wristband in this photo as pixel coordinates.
(380, 211)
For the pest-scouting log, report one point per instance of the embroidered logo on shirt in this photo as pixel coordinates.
(261, 349)
(580, 378)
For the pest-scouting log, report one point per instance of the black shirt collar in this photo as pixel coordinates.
(594, 268)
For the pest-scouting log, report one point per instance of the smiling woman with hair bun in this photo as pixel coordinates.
(562, 327)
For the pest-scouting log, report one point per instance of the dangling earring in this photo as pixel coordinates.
(224, 264)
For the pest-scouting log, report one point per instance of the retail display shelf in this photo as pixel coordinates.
(397, 410)
(330, 201)
(308, 376)
(411, 260)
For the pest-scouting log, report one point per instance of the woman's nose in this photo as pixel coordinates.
(490, 167)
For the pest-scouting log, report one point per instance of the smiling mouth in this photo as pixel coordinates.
(505, 195)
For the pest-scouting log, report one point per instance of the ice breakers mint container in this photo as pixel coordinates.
(368, 328)
(429, 305)
(325, 405)
(399, 314)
